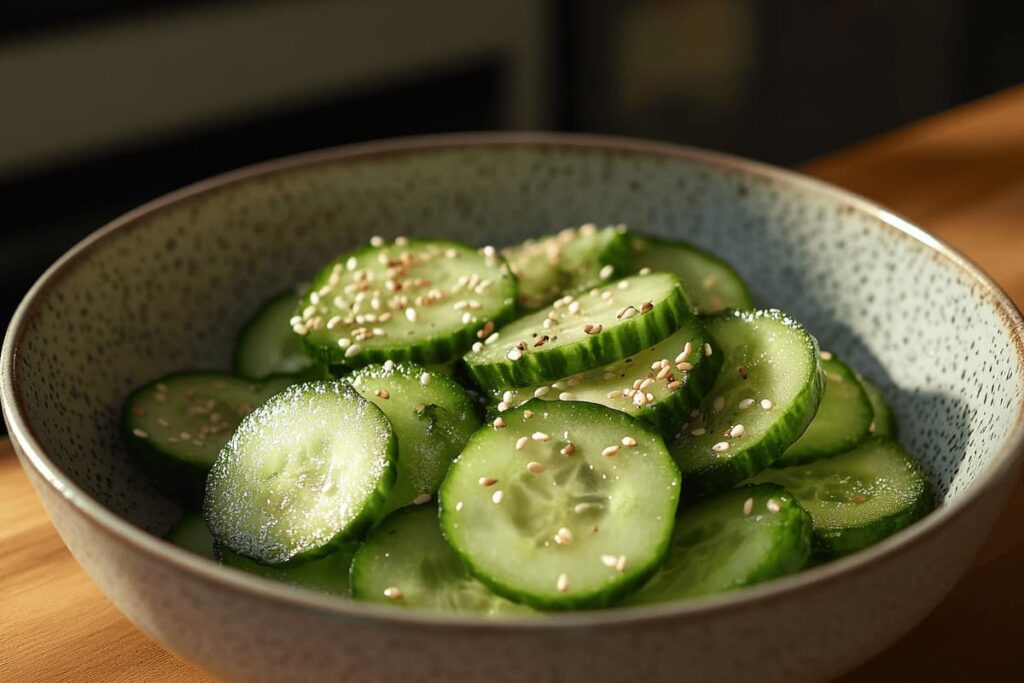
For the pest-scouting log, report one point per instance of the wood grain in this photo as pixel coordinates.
(960, 174)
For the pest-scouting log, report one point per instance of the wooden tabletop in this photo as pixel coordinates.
(959, 174)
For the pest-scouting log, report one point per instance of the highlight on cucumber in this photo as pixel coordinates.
(590, 419)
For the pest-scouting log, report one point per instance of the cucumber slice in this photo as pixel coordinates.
(328, 574)
(713, 285)
(191, 534)
(578, 333)
(842, 421)
(730, 540)
(176, 426)
(569, 505)
(573, 258)
(859, 497)
(766, 395)
(663, 403)
(302, 473)
(883, 422)
(406, 562)
(418, 300)
(267, 346)
(432, 416)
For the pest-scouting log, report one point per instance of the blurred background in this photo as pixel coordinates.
(105, 104)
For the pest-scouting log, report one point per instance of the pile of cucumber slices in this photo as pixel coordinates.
(589, 419)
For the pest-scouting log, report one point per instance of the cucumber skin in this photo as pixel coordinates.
(833, 544)
(423, 352)
(296, 574)
(729, 472)
(606, 598)
(884, 418)
(237, 362)
(625, 339)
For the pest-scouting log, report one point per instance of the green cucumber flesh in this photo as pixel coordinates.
(580, 332)
(432, 417)
(416, 300)
(843, 419)
(883, 421)
(713, 285)
(549, 266)
(730, 540)
(664, 403)
(176, 426)
(406, 562)
(192, 534)
(305, 471)
(569, 505)
(766, 394)
(267, 345)
(327, 574)
(859, 497)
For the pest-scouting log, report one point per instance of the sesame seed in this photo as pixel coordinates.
(766, 404)
(568, 449)
(540, 436)
(410, 314)
(563, 583)
(620, 563)
(609, 561)
(593, 329)
(718, 403)
(646, 383)
(610, 451)
(645, 271)
(646, 306)
(626, 312)
(720, 446)
(745, 403)
(477, 347)
(514, 354)
(535, 467)
(383, 393)
(825, 355)
(564, 536)
(491, 339)
(425, 378)
(458, 506)
(140, 433)
(497, 497)
(499, 422)
(624, 284)
(401, 241)
(353, 350)
(699, 431)
(567, 396)
(707, 349)
(663, 373)
(617, 393)
(467, 318)
(487, 481)
(748, 506)
(737, 431)
(541, 391)
(377, 241)
(606, 271)
(574, 308)
(772, 505)
(392, 593)
(527, 414)
(629, 442)
(389, 365)
(674, 384)
(521, 442)
(421, 499)
(872, 427)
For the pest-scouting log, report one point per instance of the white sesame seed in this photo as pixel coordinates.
(392, 593)
(535, 467)
(507, 397)
(720, 446)
(492, 338)
(766, 404)
(567, 396)
(772, 505)
(563, 583)
(745, 403)
(540, 436)
(623, 284)
(568, 449)
(140, 433)
(541, 391)
(645, 271)
(646, 383)
(502, 407)
(521, 442)
(499, 422)
(748, 506)
(564, 536)
(497, 497)
(609, 561)
(514, 354)
(617, 393)
(707, 349)
(620, 563)
(353, 350)
(527, 414)
(699, 431)
(410, 314)
(663, 373)
(718, 403)
(421, 499)
(737, 431)
(477, 347)
(825, 355)
(425, 378)
(459, 506)
(467, 318)
(610, 451)
(684, 366)
(401, 241)
(389, 365)
(487, 481)
(607, 271)
(629, 442)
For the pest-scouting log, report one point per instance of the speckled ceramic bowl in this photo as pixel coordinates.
(166, 287)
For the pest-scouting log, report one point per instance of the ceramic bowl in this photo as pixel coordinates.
(166, 287)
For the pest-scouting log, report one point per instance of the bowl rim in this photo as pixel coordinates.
(991, 477)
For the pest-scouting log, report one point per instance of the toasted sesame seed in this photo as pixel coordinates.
(353, 350)
(720, 446)
(745, 403)
(564, 536)
(616, 393)
(610, 451)
(540, 436)
(626, 312)
(514, 354)
(766, 404)
(646, 383)
(425, 378)
(521, 442)
(392, 593)
(699, 431)
(527, 414)
(421, 499)
(499, 422)
(487, 481)
(629, 442)
(383, 393)
(718, 403)
(663, 373)
(748, 506)
(535, 467)
(497, 497)
(773, 505)
(567, 396)
(140, 433)
(606, 271)
(674, 384)
(737, 431)
(593, 329)
(825, 355)
(568, 449)
(563, 583)
(646, 306)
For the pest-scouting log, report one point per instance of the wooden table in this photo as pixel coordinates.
(960, 174)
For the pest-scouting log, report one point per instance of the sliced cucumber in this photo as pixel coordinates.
(664, 403)
(842, 421)
(432, 416)
(883, 422)
(267, 346)
(302, 473)
(766, 394)
(859, 497)
(191, 534)
(176, 426)
(328, 574)
(406, 562)
(578, 333)
(569, 505)
(419, 300)
(713, 285)
(573, 258)
(732, 539)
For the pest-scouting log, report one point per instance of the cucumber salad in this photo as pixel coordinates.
(589, 419)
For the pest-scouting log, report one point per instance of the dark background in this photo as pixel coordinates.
(107, 103)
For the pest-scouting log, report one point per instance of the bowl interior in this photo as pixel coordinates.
(169, 289)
